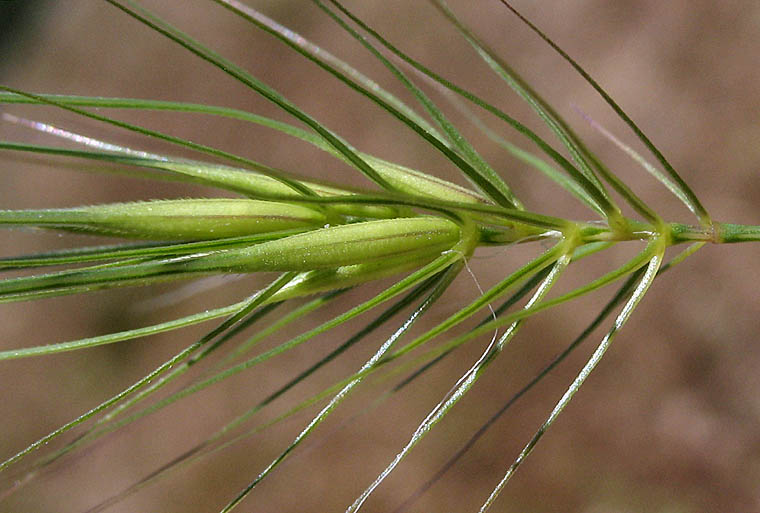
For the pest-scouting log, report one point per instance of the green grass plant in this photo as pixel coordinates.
(408, 233)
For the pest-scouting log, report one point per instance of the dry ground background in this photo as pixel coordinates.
(670, 422)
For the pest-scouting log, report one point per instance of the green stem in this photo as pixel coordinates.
(718, 233)
(727, 232)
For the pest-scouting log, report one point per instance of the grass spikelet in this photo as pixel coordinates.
(318, 323)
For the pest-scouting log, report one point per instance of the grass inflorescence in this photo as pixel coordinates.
(406, 232)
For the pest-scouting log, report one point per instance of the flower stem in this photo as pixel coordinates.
(718, 233)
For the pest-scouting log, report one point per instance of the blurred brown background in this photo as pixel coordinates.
(669, 422)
